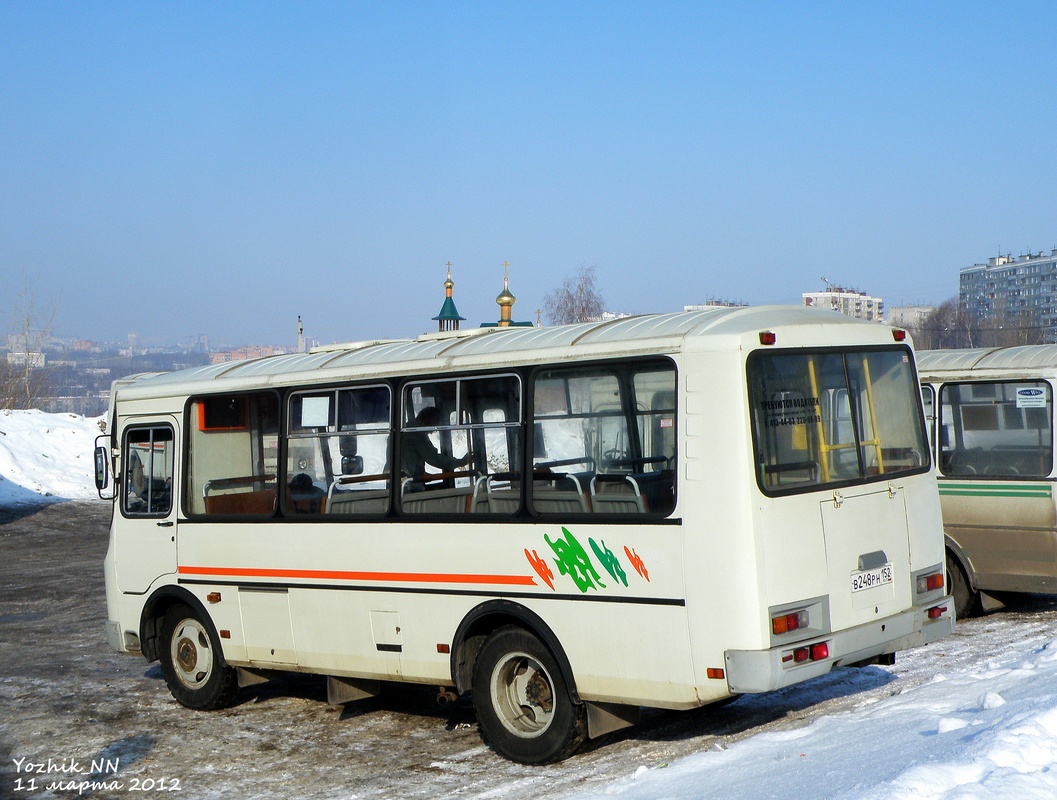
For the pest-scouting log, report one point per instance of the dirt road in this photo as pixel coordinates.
(69, 703)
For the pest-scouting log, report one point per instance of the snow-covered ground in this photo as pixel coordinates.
(974, 716)
(985, 732)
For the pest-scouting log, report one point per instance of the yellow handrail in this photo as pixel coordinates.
(875, 441)
(823, 448)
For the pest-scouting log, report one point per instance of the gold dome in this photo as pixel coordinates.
(506, 298)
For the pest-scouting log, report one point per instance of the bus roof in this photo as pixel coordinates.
(476, 347)
(1023, 357)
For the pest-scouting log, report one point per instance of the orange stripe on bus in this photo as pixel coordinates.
(395, 577)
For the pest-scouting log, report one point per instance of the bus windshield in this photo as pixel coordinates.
(832, 418)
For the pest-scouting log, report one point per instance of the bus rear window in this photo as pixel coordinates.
(832, 418)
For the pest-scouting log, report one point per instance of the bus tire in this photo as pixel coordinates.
(966, 600)
(192, 662)
(524, 707)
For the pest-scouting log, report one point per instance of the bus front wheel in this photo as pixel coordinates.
(192, 663)
(524, 707)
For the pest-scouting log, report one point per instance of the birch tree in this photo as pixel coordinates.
(23, 381)
(577, 300)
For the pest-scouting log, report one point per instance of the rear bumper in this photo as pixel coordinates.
(750, 671)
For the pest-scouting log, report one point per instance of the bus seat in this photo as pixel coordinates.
(240, 503)
(437, 501)
(496, 495)
(547, 497)
(616, 494)
(503, 499)
(358, 501)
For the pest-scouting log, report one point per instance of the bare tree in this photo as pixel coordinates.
(577, 300)
(944, 328)
(23, 380)
(1007, 327)
(950, 325)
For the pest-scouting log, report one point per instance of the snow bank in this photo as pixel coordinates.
(46, 457)
(985, 733)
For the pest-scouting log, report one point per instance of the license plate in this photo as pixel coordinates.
(871, 578)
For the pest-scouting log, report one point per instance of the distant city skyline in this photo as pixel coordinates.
(176, 170)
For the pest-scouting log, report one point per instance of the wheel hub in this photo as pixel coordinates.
(538, 691)
(523, 696)
(186, 654)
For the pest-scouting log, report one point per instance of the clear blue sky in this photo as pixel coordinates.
(175, 169)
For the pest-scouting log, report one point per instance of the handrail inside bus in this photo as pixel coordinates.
(875, 442)
(631, 462)
(789, 466)
(346, 479)
(546, 465)
(245, 480)
(433, 477)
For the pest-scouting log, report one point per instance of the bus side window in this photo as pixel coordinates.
(355, 462)
(233, 455)
(997, 429)
(459, 448)
(337, 452)
(604, 440)
(928, 402)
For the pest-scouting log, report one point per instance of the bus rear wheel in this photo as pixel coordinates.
(524, 707)
(966, 601)
(192, 662)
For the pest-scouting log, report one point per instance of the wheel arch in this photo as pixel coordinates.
(959, 554)
(490, 616)
(154, 611)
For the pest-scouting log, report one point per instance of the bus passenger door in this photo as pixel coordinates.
(145, 533)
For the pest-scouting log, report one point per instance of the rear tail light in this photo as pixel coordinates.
(937, 611)
(785, 623)
(928, 583)
(814, 652)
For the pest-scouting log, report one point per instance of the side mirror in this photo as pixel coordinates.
(351, 465)
(101, 470)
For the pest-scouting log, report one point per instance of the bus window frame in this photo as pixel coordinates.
(123, 488)
(981, 398)
(829, 486)
(188, 485)
(403, 427)
(287, 434)
(624, 370)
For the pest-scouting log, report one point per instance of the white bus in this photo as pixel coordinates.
(570, 523)
(990, 415)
